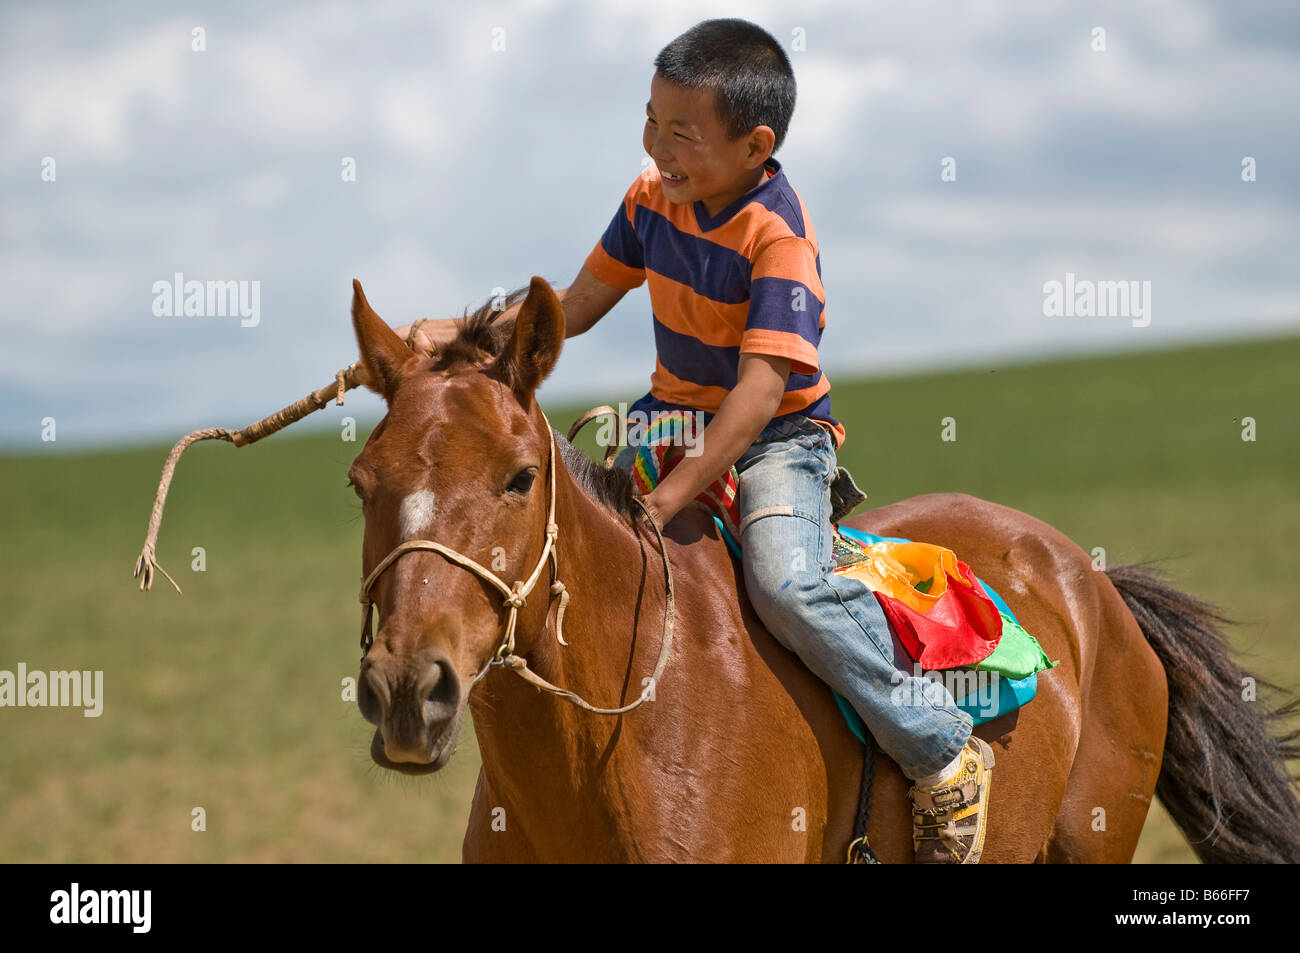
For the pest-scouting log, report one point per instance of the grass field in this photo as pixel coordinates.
(229, 697)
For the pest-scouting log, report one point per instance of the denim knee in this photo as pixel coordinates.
(781, 586)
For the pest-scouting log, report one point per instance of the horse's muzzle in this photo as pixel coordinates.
(416, 705)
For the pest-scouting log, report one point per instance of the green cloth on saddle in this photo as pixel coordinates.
(1017, 653)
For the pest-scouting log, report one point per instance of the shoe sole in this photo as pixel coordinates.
(986, 754)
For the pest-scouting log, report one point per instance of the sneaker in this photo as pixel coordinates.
(949, 818)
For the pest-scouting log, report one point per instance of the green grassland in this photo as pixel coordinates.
(229, 697)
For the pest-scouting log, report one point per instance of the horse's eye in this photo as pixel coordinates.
(523, 481)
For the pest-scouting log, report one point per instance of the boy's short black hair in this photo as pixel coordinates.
(744, 65)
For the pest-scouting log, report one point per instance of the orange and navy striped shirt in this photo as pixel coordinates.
(744, 281)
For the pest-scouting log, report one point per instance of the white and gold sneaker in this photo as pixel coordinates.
(949, 818)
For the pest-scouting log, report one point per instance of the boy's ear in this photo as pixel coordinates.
(762, 141)
(383, 353)
(530, 355)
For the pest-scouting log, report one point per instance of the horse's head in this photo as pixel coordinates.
(460, 458)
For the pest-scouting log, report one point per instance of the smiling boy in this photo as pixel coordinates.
(733, 268)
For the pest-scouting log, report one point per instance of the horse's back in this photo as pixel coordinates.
(1091, 738)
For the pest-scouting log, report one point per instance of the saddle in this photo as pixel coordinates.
(955, 627)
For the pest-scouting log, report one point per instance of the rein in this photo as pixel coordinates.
(516, 596)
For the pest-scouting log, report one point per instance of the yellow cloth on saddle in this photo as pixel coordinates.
(939, 610)
(896, 568)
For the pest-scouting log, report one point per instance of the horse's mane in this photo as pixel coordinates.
(482, 336)
(613, 487)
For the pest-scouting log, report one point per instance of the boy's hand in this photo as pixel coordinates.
(652, 504)
(431, 333)
(750, 407)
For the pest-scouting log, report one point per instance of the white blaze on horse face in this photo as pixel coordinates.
(416, 514)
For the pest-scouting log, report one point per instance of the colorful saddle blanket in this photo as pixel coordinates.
(956, 629)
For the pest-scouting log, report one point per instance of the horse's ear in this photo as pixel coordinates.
(530, 355)
(383, 353)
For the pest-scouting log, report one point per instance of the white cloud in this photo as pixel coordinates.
(478, 168)
(1157, 225)
(83, 104)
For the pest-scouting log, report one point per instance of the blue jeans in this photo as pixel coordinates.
(834, 624)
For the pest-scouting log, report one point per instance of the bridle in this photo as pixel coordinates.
(516, 596)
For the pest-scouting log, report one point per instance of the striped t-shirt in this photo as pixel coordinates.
(744, 281)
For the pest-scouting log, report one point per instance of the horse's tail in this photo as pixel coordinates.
(1224, 778)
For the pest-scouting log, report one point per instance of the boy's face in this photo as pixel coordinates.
(685, 137)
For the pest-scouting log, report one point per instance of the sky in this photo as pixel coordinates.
(955, 159)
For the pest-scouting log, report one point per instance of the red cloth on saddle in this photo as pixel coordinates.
(956, 629)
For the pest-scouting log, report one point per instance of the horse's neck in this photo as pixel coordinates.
(540, 753)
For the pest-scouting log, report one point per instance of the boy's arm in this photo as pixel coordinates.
(585, 302)
(751, 405)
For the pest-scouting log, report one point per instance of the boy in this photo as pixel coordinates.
(735, 287)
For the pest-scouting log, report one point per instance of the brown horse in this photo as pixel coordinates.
(740, 753)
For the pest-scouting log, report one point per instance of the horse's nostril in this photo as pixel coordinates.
(440, 690)
(372, 693)
(431, 682)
